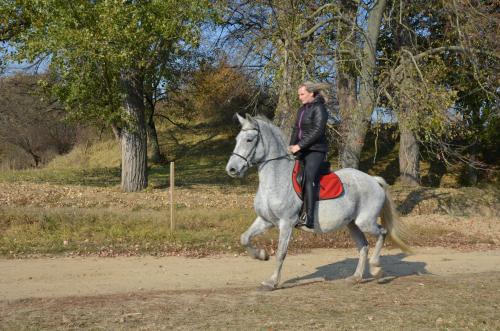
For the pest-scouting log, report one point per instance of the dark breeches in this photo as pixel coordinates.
(312, 162)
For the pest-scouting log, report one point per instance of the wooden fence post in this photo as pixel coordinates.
(172, 184)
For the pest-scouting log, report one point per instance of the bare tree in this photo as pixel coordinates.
(30, 122)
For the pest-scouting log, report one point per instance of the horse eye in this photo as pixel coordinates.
(249, 140)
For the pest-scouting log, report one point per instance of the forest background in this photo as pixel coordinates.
(127, 86)
(97, 97)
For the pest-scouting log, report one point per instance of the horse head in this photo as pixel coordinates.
(248, 150)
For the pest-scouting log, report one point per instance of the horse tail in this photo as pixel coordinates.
(390, 221)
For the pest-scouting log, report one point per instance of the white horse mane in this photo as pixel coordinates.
(276, 131)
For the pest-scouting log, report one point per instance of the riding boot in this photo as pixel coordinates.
(310, 203)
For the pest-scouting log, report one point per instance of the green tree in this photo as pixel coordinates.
(438, 77)
(106, 58)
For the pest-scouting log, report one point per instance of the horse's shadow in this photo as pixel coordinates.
(393, 265)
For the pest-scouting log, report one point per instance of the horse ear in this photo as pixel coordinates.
(240, 119)
(250, 118)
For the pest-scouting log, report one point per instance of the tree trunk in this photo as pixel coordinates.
(134, 137)
(346, 71)
(117, 131)
(287, 105)
(409, 152)
(367, 96)
(472, 176)
(354, 143)
(36, 158)
(471, 173)
(289, 76)
(409, 156)
(156, 156)
(346, 94)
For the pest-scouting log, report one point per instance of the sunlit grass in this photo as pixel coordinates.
(114, 231)
(198, 160)
(199, 232)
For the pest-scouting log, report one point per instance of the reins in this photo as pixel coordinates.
(251, 155)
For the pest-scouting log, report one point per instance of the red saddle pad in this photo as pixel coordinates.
(330, 184)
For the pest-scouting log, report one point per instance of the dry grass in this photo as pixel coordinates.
(465, 302)
(75, 206)
(111, 232)
(102, 154)
(92, 222)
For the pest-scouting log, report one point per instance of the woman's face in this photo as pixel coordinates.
(305, 96)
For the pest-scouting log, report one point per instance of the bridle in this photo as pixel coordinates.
(251, 154)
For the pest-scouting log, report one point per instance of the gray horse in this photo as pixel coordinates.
(365, 197)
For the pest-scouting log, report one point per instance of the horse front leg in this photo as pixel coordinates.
(258, 226)
(285, 234)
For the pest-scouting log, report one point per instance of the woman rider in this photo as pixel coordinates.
(308, 138)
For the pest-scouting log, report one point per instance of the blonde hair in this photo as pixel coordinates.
(316, 88)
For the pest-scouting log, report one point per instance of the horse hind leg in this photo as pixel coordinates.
(362, 245)
(375, 268)
(258, 226)
(370, 225)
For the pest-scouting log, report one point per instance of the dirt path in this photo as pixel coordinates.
(61, 277)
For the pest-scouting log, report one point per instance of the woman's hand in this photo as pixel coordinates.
(293, 149)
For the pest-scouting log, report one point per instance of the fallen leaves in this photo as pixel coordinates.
(50, 196)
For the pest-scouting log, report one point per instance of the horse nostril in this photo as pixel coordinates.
(232, 170)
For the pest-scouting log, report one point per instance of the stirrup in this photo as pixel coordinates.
(302, 224)
(302, 220)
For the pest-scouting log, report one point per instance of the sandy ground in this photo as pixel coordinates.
(61, 277)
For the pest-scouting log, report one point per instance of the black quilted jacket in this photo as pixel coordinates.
(310, 125)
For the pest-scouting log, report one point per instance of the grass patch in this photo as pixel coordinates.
(200, 232)
(199, 164)
(104, 177)
(101, 154)
(158, 176)
(89, 231)
(119, 232)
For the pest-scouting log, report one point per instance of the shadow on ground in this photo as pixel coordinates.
(393, 265)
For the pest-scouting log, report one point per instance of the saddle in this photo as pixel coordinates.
(330, 186)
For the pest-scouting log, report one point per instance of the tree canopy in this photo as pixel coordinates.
(431, 66)
(104, 57)
(91, 43)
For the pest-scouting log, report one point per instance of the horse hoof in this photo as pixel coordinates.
(376, 272)
(263, 256)
(306, 229)
(353, 280)
(267, 287)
